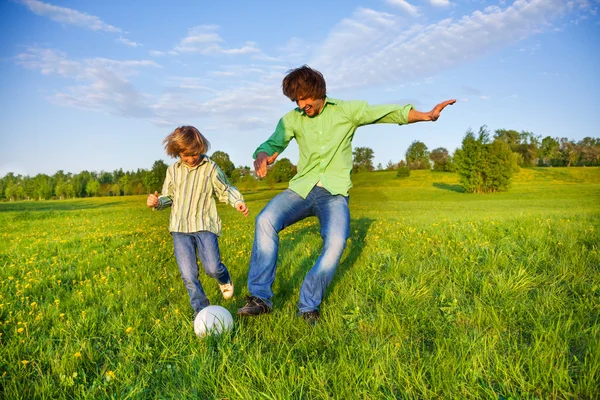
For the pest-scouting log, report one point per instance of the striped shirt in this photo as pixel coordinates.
(189, 192)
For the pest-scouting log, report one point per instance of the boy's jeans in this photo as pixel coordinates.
(206, 245)
(284, 210)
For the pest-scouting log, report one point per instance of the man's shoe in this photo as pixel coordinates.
(311, 317)
(254, 306)
(227, 290)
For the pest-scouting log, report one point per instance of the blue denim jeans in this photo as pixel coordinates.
(205, 245)
(286, 209)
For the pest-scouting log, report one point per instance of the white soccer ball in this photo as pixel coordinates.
(212, 320)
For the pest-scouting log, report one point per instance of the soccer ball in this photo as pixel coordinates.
(212, 320)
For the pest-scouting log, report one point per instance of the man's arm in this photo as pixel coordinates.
(433, 115)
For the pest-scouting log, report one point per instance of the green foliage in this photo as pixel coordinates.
(417, 156)
(403, 172)
(484, 167)
(363, 159)
(440, 158)
(224, 162)
(93, 187)
(282, 171)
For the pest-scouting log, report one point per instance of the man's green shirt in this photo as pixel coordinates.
(325, 141)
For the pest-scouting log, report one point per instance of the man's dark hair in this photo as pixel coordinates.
(303, 83)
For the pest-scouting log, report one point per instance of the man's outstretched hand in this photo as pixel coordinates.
(261, 162)
(435, 113)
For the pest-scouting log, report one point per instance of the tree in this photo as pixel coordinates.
(589, 149)
(282, 171)
(439, 157)
(154, 178)
(482, 166)
(524, 143)
(222, 160)
(549, 151)
(363, 159)
(391, 166)
(92, 187)
(417, 156)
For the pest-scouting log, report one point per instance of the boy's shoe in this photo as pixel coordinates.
(254, 306)
(311, 317)
(227, 290)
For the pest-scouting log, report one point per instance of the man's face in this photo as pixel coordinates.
(310, 106)
(191, 160)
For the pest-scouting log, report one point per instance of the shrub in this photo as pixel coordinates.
(403, 172)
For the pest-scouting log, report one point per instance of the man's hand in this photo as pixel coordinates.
(152, 200)
(435, 113)
(241, 207)
(261, 162)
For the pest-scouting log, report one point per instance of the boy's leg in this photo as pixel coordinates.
(185, 253)
(283, 210)
(334, 217)
(208, 251)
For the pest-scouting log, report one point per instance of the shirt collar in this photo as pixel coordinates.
(203, 161)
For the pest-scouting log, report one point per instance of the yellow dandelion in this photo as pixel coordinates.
(129, 330)
(77, 354)
(110, 375)
(20, 330)
(24, 362)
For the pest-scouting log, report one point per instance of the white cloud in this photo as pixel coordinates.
(204, 39)
(103, 83)
(68, 16)
(128, 42)
(156, 53)
(440, 3)
(405, 6)
(374, 48)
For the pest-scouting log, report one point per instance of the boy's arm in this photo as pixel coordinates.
(225, 192)
(166, 198)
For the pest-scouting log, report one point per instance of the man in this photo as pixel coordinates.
(324, 128)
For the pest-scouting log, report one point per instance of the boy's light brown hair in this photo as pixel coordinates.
(186, 140)
(304, 83)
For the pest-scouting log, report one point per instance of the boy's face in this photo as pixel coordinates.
(310, 106)
(191, 160)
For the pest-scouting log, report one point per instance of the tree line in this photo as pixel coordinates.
(64, 185)
(484, 164)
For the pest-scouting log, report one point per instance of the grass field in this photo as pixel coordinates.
(440, 294)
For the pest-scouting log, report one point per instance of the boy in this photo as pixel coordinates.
(194, 223)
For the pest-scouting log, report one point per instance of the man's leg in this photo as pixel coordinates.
(185, 253)
(334, 217)
(283, 210)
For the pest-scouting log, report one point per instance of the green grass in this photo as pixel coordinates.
(440, 294)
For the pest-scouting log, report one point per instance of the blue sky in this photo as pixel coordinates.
(97, 85)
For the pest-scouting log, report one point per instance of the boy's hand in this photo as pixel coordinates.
(241, 207)
(152, 200)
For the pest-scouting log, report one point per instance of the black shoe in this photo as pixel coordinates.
(311, 317)
(254, 306)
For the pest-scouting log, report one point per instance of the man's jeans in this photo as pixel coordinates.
(206, 245)
(286, 209)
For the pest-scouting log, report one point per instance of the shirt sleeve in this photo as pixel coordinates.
(366, 114)
(225, 192)
(278, 141)
(166, 198)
